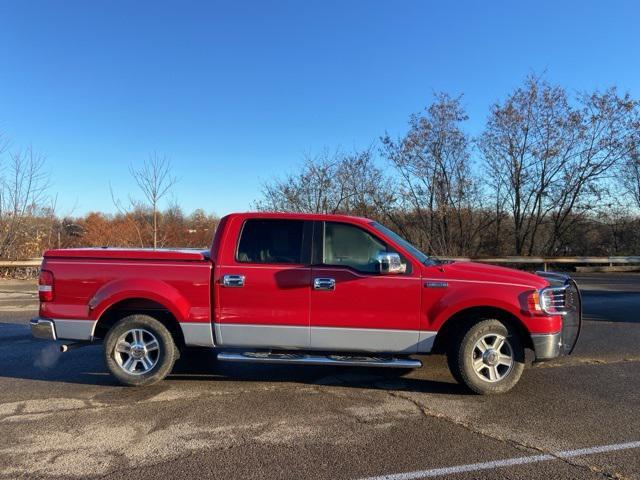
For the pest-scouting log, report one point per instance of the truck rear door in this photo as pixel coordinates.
(262, 286)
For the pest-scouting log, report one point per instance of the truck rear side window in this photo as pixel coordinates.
(271, 241)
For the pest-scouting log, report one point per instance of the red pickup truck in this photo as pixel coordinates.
(305, 289)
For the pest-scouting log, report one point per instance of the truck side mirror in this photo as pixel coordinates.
(390, 263)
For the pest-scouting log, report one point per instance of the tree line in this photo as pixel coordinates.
(550, 173)
(30, 225)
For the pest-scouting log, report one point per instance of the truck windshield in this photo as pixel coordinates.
(404, 244)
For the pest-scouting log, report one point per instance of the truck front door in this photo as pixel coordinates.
(353, 306)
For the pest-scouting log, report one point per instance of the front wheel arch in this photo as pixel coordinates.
(460, 322)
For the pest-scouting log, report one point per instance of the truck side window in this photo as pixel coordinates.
(350, 246)
(271, 241)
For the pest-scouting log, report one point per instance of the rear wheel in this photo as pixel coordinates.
(488, 358)
(139, 350)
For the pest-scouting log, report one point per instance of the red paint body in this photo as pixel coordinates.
(87, 282)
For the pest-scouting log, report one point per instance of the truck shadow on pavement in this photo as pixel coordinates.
(30, 359)
(202, 365)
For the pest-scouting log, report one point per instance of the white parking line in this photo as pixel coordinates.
(509, 462)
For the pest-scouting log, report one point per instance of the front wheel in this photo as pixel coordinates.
(139, 350)
(489, 358)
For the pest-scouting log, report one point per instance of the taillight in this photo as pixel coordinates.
(45, 286)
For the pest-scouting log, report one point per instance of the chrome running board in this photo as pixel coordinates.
(307, 359)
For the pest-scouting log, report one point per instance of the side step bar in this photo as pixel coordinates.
(307, 359)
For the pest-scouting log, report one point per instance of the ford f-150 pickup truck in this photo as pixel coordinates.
(305, 289)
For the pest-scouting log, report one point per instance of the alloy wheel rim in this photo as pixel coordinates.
(137, 351)
(492, 357)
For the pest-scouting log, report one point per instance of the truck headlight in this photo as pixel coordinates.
(553, 300)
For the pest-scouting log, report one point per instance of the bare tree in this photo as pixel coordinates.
(330, 182)
(436, 181)
(128, 213)
(155, 180)
(550, 160)
(607, 138)
(630, 178)
(23, 194)
(311, 190)
(523, 146)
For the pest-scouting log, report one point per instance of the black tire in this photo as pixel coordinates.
(464, 352)
(452, 361)
(160, 359)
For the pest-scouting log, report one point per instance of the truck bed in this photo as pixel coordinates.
(131, 254)
(86, 282)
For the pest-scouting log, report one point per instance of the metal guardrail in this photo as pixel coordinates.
(32, 262)
(544, 261)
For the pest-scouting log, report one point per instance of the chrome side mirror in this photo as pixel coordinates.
(390, 263)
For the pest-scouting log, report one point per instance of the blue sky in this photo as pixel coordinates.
(235, 92)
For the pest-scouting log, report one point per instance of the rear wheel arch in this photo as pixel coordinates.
(126, 289)
(460, 322)
(139, 305)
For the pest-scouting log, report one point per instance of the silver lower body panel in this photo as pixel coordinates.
(337, 339)
(197, 334)
(262, 336)
(371, 340)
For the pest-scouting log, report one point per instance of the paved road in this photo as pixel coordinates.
(61, 415)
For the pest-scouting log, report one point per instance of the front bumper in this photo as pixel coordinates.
(43, 328)
(547, 346)
(561, 343)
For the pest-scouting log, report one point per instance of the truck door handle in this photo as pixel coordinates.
(324, 284)
(233, 281)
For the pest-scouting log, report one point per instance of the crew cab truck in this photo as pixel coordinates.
(305, 289)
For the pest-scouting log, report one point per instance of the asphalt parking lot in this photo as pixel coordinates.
(62, 416)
